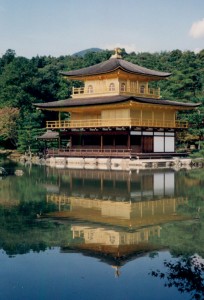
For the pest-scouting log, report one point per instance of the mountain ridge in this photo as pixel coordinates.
(85, 51)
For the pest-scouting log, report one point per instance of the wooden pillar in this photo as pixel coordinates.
(153, 119)
(114, 141)
(101, 184)
(128, 141)
(70, 141)
(59, 117)
(174, 119)
(152, 208)
(71, 183)
(101, 142)
(174, 205)
(146, 88)
(129, 185)
(59, 204)
(141, 209)
(141, 117)
(128, 85)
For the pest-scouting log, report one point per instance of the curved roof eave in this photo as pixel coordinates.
(112, 65)
(70, 103)
(111, 71)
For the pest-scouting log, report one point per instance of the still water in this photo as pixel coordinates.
(84, 234)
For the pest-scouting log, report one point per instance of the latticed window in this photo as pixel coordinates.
(112, 239)
(142, 89)
(123, 87)
(90, 89)
(112, 87)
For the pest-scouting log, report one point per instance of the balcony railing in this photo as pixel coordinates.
(146, 93)
(112, 153)
(123, 122)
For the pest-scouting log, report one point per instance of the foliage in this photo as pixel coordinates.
(200, 152)
(186, 275)
(8, 121)
(28, 131)
(20, 232)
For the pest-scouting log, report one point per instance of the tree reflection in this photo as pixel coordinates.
(21, 232)
(186, 274)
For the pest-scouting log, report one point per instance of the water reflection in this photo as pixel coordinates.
(113, 216)
(116, 215)
(111, 208)
(186, 274)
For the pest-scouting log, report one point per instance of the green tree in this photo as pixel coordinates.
(29, 129)
(8, 124)
(7, 58)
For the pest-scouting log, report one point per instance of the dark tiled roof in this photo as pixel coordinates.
(49, 135)
(111, 65)
(110, 100)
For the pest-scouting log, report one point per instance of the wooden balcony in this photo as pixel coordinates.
(106, 123)
(109, 153)
(146, 93)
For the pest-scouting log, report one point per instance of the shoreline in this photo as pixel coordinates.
(120, 164)
(123, 164)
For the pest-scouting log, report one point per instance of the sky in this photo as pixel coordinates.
(63, 27)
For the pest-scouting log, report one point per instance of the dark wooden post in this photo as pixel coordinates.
(101, 143)
(70, 183)
(128, 141)
(59, 142)
(101, 184)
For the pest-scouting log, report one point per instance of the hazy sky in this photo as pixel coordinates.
(61, 27)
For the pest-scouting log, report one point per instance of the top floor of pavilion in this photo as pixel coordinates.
(115, 77)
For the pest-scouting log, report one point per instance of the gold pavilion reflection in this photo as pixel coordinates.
(116, 218)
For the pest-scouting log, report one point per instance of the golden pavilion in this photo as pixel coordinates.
(116, 113)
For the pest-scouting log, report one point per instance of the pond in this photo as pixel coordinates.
(86, 234)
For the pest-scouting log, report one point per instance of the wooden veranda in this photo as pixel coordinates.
(108, 153)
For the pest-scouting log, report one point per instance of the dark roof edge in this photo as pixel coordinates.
(110, 100)
(113, 64)
(111, 71)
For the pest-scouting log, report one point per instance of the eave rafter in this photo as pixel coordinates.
(126, 104)
(119, 73)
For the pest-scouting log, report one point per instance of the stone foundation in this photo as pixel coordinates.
(117, 163)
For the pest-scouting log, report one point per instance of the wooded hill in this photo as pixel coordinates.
(26, 81)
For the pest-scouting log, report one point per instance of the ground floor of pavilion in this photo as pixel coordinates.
(124, 143)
